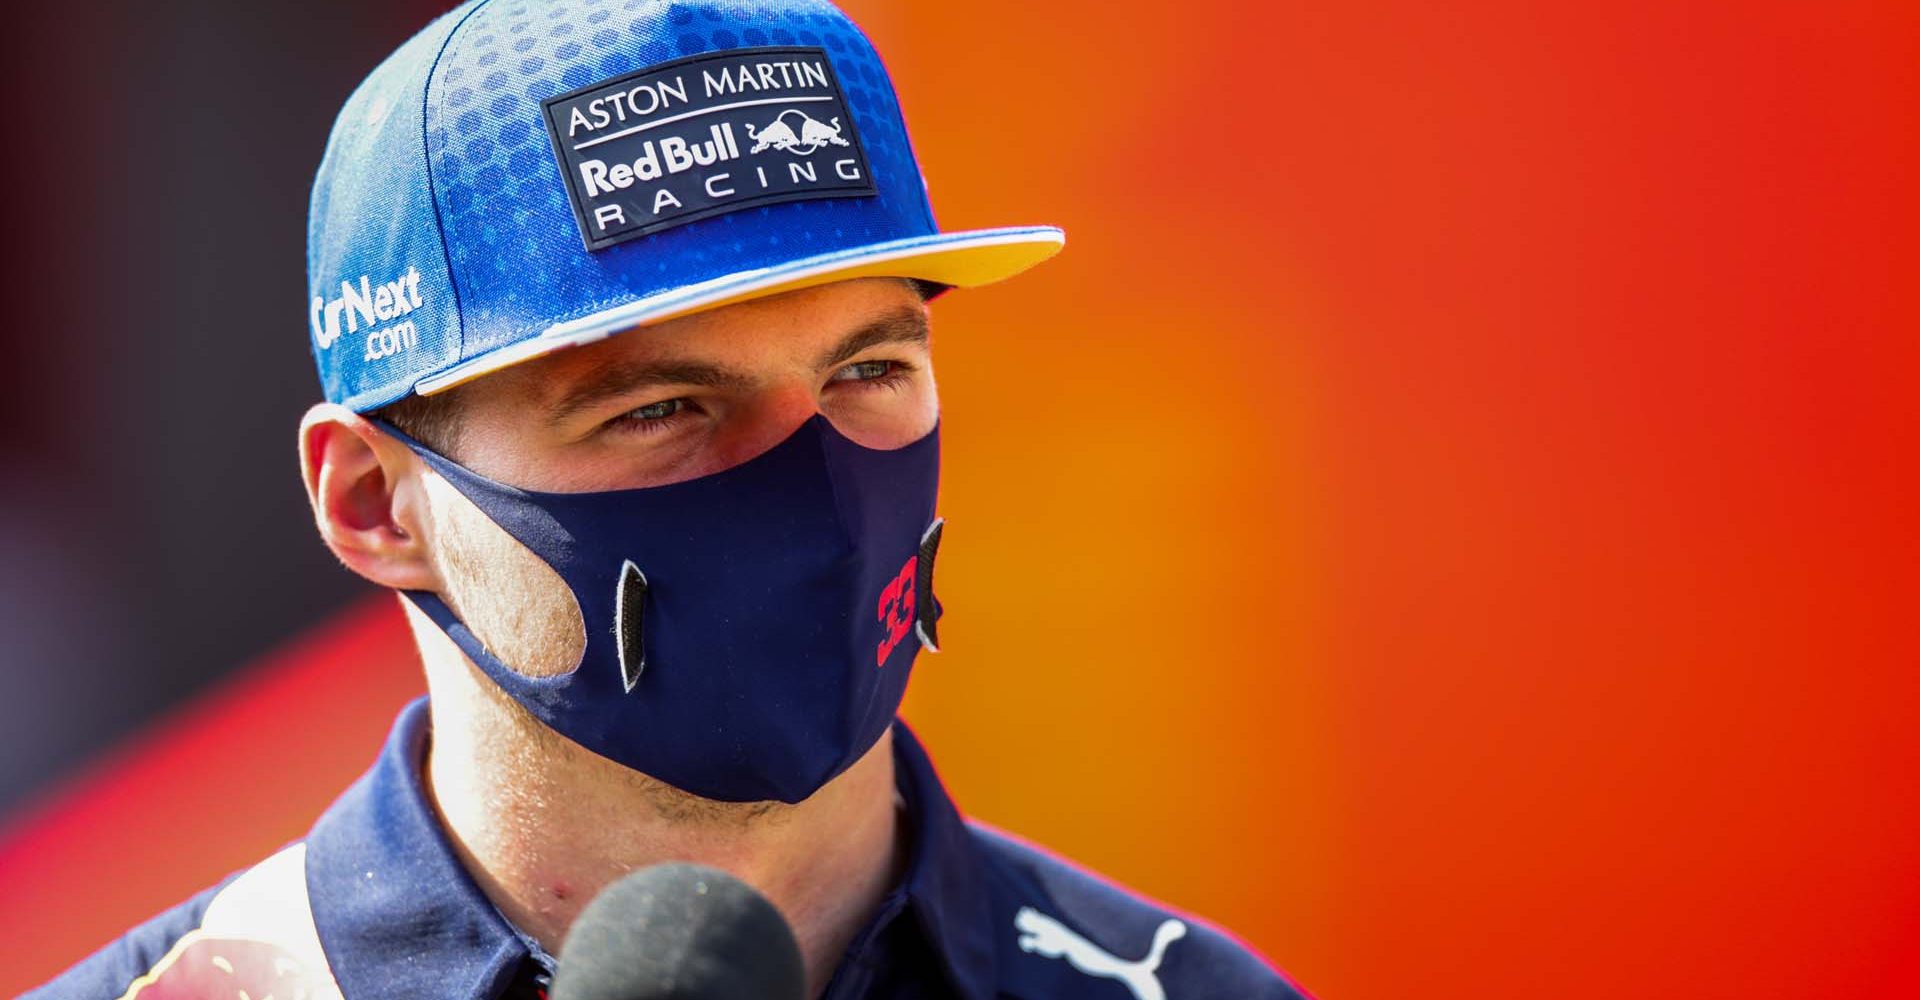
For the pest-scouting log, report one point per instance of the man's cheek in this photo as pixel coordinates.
(890, 418)
(515, 603)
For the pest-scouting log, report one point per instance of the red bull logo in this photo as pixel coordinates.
(802, 136)
(695, 137)
(674, 154)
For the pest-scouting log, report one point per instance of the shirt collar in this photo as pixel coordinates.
(398, 915)
(944, 881)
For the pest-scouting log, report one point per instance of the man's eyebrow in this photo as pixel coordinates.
(621, 378)
(904, 326)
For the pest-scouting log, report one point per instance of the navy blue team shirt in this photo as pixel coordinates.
(374, 905)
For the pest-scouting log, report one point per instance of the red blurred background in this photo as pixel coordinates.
(1447, 517)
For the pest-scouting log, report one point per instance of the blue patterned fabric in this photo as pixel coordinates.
(441, 230)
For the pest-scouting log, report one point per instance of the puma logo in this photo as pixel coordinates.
(1042, 935)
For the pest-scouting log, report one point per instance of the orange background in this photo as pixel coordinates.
(1447, 516)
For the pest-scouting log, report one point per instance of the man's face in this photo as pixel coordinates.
(667, 403)
(693, 396)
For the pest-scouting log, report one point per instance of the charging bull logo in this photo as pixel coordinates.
(780, 134)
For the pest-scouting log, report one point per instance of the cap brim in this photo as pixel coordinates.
(965, 260)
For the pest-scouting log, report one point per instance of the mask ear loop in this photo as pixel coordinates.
(927, 607)
(629, 608)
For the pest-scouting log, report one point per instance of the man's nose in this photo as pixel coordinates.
(769, 416)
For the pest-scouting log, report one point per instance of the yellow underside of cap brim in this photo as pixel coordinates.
(963, 260)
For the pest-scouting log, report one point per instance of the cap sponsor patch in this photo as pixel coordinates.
(697, 137)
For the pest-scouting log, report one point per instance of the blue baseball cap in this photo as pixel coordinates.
(524, 176)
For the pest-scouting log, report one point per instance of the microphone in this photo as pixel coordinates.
(679, 932)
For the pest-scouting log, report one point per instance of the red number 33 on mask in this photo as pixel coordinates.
(896, 609)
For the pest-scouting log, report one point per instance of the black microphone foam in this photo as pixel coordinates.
(679, 932)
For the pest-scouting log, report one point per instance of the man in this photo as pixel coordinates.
(620, 311)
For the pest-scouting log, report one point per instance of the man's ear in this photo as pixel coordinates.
(368, 500)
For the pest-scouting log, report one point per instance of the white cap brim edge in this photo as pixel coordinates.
(895, 259)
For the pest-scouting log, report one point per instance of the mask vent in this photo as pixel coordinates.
(629, 606)
(926, 605)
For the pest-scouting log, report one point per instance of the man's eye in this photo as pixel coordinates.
(657, 411)
(653, 418)
(865, 371)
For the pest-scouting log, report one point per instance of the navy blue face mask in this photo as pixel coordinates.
(749, 633)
